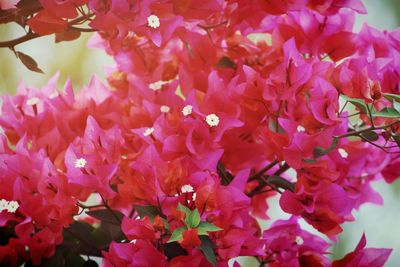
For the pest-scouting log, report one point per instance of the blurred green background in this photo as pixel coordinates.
(75, 61)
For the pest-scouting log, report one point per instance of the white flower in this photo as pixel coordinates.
(187, 188)
(187, 110)
(156, 85)
(80, 163)
(164, 109)
(153, 21)
(3, 204)
(212, 120)
(299, 240)
(148, 131)
(343, 152)
(32, 101)
(194, 197)
(12, 206)
(300, 128)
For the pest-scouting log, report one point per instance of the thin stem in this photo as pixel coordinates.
(109, 209)
(366, 130)
(262, 171)
(30, 35)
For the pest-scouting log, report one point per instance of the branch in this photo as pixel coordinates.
(30, 35)
(262, 171)
(24, 9)
(366, 130)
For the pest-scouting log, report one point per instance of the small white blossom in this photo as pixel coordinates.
(187, 110)
(148, 131)
(194, 196)
(212, 120)
(300, 128)
(343, 152)
(80, 163)
(187, 188)
(156, 85)
(32, 101)
(3, 204)
(299, 240)
(12, 206)
(164, 109)
(153, 21)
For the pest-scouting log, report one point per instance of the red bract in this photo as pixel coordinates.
(362, 256)
(45, 22)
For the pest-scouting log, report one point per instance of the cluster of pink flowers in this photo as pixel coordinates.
(214, 107)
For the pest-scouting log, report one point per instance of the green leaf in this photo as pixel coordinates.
(74, 260)
(320, 151)
(106, 215)
(147, 210)
(205, 227)
(90, 263)
(166, 224)
(358, 102)
(226, 62)
(177, 234)
(370, 135)
(392, 97)
(396, 138)
(56, 260)
(388, 112)
(193, 220)
(185, 209)
(396, 105)
(206, 247)
(29, 62)
(173, 249)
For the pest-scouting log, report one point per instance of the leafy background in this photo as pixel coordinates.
(75, 61)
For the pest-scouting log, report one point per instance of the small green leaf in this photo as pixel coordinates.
(388, 112)
(320, 151)
(193, 220)
(90, 263)
(166, 224)
(177, 234)
(396, 138)
(173, 249)
(226, 62)
(358, 102)
(29, 62)
(206, 247)
(392, 97)
(370, 135)
(106, 215)
(185, 209)
(396, 105)
(205, 227)
(147, 210)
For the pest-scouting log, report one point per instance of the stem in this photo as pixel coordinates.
(366, 130)
(262, 171)
(30, 35)
(282, 169)
(83, 206)
(109, 209)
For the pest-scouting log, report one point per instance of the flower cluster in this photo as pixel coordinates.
(213, 108)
